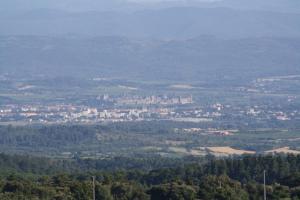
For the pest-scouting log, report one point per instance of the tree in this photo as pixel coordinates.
(103, 192)
(172, 191)
(222, 188)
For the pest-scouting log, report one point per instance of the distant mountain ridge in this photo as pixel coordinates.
(292, 6)
(202, 59)
(170, 23)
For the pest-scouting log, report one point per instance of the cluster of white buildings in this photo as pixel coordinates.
(151, 100)
(137, 108)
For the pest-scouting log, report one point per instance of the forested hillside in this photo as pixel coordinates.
(232, 178)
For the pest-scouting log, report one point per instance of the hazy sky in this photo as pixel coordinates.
(103, 5)
(83, 5)
(153, 1)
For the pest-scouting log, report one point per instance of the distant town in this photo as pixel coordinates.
(138, 108)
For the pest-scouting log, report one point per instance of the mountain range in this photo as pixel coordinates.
(168, 23)
(199, 59)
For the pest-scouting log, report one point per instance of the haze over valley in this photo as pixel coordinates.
(153, 99)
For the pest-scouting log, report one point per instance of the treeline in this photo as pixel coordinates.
(25, 164)
(66, 187)
(231, 178)
(54, 136)
(244, 169)
(45, 136)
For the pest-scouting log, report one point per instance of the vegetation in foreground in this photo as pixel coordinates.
(240, 178)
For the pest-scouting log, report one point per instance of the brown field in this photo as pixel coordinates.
(227, 151)
(285, 150)
(182, 86)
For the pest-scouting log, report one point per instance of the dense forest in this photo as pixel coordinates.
(26, 177)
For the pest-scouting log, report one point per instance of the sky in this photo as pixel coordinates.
(108, 5)
(85, 4)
